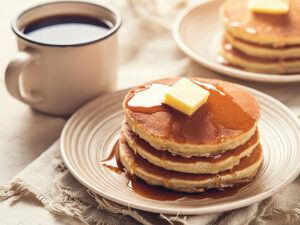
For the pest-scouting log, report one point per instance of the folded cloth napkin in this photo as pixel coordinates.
(56, 189)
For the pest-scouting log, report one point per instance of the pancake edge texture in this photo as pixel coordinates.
(256, 65)
(195, 167)
(188, 150)
(262, 51)
(189, 186)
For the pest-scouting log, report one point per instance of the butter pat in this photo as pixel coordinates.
(186, 96)
(269, 6)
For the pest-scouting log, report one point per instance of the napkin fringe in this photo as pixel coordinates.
(174, 219)
(19, 189)
(68, 207)
(113, 208)
(288, 213)
(15, 191)
(109, 207)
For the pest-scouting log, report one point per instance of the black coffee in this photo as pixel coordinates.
(67, 29)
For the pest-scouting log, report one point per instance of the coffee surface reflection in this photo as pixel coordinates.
(67, 29)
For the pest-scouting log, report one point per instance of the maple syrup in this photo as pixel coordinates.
(112, 162)
(167, 156)
(220, 116)
(160, 193)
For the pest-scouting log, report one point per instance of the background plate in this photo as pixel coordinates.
(91, 133)
(198, 32)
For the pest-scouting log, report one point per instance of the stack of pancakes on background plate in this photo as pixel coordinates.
(217, 147)
(259, 42)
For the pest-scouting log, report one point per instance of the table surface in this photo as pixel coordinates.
(25, 134)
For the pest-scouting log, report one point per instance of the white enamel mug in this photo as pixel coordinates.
(58, 78)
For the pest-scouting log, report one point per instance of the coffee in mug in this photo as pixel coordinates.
(67, 29)
(67, 55)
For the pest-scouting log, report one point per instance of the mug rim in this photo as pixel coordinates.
(25, 37)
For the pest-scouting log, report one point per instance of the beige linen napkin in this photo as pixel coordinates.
(60, 193)
(147, 52)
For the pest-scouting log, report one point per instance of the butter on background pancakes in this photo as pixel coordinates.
(261, 42)
(228, 119)
(260, 28)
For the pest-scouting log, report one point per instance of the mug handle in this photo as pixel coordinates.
(13, 80)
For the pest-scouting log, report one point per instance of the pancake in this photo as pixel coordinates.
(154, 175)
(260, 28)
(263, 51)
(228, 118)
(215, 164)
(253, 64)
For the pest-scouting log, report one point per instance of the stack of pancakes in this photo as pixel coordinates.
(258, 42)
(217, 147)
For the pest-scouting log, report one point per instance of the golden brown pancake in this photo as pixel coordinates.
(217, 163)
(228, 118)
(254, 64)
(187, 182)
(263, 51)
(260, 28)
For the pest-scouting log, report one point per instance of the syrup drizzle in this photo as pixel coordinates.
(112, 162)
(163, 194)
(219, 118)
(167, 156)
(139, 186)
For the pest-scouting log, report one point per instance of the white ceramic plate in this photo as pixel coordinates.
(198, 32)
(91, 133)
